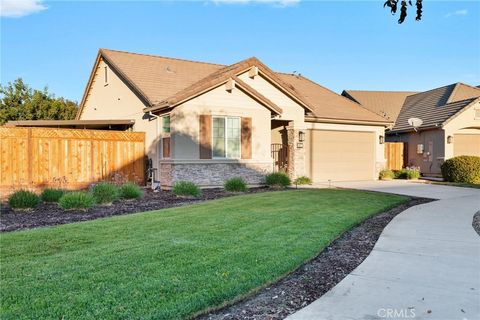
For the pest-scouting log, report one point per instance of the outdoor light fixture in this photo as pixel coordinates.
(381, 139)
(301, 136)
(449, 139)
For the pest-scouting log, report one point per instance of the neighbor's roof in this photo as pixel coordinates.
(435, 107)
(384, 103)
(162, 81)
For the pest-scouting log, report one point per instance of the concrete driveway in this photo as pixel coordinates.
(425, 265)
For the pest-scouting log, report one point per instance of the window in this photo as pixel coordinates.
(166, 124)
(226, 137)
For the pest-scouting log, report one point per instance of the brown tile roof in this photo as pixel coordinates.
(328, 104)
(158, 78)
(162, 81)
(384, 103)
(436, 106)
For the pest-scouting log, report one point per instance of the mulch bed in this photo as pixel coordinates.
(476, 222)
(313, 279)
(49, 214)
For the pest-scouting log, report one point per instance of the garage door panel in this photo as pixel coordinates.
(466, 145)
(342, 155)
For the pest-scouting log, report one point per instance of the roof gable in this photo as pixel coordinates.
(162, 81)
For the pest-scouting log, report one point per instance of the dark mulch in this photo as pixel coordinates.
(476, 222)
(316, 277)
(49, 214)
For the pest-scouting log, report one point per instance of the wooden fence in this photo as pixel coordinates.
(39, 157)
(395, 153)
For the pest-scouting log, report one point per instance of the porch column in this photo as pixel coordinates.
(296, 153)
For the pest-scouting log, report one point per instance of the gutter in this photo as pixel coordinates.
(347, 121)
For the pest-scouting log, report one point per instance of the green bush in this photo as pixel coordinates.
(303, 180)
(186, 189)
(386, 174)
(236, 184)
(23, 199)
(130, 190)
(464, 169)
(76, 200)
(408, 173)
(52, 195)
(277, 180)
(105, 193)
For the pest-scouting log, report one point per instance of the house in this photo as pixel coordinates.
(207, 122)
(450, 122)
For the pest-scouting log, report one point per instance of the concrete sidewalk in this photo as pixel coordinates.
(425, 265)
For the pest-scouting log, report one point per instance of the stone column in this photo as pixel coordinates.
(296, 153)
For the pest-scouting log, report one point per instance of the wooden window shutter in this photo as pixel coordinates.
(166, 147)
(205, 136)
(246, 138)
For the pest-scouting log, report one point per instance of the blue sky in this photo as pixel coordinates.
(339, 44)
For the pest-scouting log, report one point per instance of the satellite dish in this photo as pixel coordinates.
(415, 122)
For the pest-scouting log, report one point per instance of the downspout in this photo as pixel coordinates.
(155, 184)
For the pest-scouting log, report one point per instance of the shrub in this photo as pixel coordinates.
(278, 180)
(386, 174)
(23, 199)
(130, 190)
(303, 180)
(186, 189)
(236, 184)
(76, 200)
(464, 169)
(105, 192)
(52, 195)
(410, 173)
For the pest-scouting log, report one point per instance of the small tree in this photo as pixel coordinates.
(19, 102)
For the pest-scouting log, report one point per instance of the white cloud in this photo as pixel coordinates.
(462, 12)
(20, 8)
(278, 3)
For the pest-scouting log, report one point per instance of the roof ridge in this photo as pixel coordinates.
(343, 97)
(473, 98)
(422, 92)
(162, 57)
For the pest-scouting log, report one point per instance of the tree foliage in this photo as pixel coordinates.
(19, 102)
(393, 5)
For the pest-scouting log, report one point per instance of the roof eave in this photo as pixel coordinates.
(348, 121)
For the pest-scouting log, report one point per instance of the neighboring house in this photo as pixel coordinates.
(207, 122)
(450, 116)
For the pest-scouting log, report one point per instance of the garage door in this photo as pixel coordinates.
(341, 155)
(466, 145)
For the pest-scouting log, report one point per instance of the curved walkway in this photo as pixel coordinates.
(425, 265)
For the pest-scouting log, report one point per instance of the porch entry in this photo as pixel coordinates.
(280, 157)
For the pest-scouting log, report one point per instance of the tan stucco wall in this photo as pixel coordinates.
(377, 130)
(292, 111)
(219, 102)
(115, 100)
(464, 123)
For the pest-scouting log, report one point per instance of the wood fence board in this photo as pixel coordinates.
(394, 154)
(70, 158)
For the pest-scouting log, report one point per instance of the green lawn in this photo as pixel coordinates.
(176, 262)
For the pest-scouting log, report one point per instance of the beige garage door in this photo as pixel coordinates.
(341, 155)
(466, 145)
